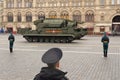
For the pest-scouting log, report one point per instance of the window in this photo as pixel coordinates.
(41, 15)
(86, 3)
(113, 2)
(77, 16)
(10, 17)
(28, 3)
(28, 17)
(89, 16)
(52, 3)
(2, 19)
(79, 4)
(73, 3)
(102, 17)
(89, 3)
(76, 3)
(102, 2)
(19, 17)
(52, 14)
(118, 1)
(64, 15)
(10, 3)
(19, 3)
(63, 3)
(40, 4)
(102, 28)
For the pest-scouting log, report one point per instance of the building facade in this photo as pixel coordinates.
(96, 15)
(1, 11)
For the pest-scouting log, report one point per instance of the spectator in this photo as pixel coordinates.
(51, 58)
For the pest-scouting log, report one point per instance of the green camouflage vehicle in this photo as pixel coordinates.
(53, 30)
(82, 31)
(23, 30)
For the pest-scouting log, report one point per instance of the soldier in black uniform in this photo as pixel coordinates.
(51, 58)
(105, 41)
(11, 39)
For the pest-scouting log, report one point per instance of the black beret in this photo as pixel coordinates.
(52, 56)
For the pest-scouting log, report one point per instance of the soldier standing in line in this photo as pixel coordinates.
(11, 39)
(51, 58)
(105, 41)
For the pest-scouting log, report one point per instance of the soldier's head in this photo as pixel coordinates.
(52, 57)
(106, 33)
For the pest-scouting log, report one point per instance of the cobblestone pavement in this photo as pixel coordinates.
(82, 59)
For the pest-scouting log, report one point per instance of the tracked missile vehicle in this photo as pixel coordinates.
(53, 30)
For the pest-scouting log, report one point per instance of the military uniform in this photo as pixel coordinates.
(52, 56)
(105, 41)
(11, 39)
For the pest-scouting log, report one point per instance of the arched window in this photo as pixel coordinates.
(77, 16)
(52, 14)
(115, 23)
(41, 15)
(28, 3)
(64, 15)
(102, 2)
(28, 17)
(89, 16)
(10, 3)
(19, 17)
(10, 17)
(19, 3)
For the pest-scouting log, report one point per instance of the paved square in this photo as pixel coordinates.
(82, 59)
